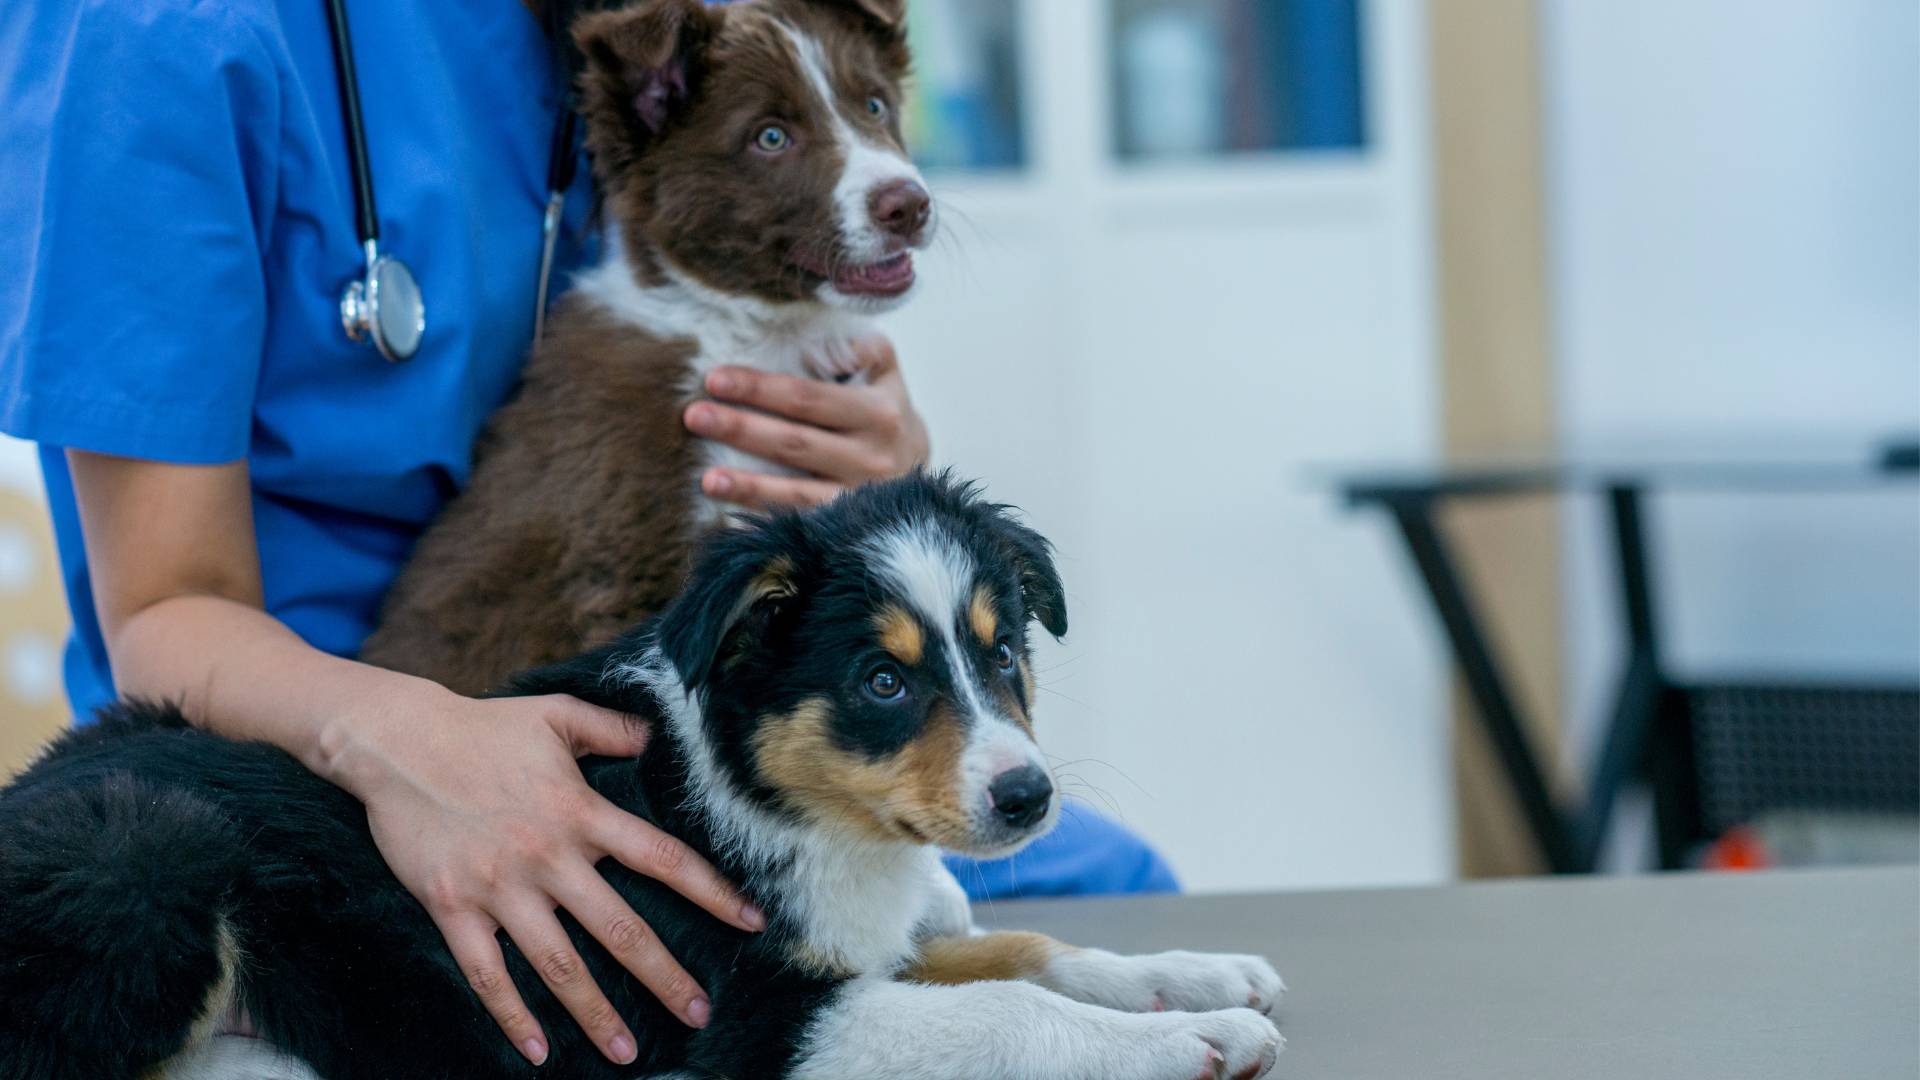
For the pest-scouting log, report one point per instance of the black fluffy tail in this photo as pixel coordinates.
(112, 893)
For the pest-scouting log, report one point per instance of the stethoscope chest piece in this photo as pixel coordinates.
(386, 307)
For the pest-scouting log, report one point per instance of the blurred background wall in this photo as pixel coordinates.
(1735, 219)
(1193, 258)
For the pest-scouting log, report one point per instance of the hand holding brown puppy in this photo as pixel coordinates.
(840, 434)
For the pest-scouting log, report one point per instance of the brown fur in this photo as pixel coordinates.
(1001, 957)
(913, 795)
(980, 614)
(900, 635)
(582, 509)
(522, 569)
(1012, 705)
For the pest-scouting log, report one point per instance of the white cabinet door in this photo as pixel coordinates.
(1148, 354)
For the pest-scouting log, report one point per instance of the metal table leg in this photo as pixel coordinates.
(1643, 693)
(1498, 713)
(1651, 723)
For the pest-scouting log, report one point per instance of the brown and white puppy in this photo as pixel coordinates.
(760, 208)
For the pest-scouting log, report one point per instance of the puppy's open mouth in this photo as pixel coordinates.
(891, 276)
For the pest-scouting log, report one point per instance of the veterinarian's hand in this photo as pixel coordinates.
(481, 810)
(840, 435)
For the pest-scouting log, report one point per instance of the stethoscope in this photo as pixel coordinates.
(385, 304)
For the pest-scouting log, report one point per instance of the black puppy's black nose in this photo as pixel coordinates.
(1020, 796)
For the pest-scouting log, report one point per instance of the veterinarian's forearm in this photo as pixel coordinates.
(239, 671)
(177, 587)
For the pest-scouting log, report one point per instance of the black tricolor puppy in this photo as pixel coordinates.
(835, 696)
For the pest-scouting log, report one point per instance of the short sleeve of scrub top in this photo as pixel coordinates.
(176, 225)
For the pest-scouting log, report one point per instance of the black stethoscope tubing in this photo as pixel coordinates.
(560, 168)
(385, 304)
(366, 213)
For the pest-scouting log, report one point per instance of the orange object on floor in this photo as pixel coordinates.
(1741, 848)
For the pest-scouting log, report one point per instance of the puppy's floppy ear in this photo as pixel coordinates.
(740, 582)
(1040, 587)
(644, 63)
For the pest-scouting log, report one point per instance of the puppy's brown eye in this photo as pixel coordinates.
(885, 683)
(772, 139)
(1003, 655)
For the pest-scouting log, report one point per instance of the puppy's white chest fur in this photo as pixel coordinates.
(860, 903)
(808, 341)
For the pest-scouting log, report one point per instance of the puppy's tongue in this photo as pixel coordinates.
(888, 277)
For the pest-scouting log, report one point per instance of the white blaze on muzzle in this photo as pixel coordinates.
(869, 166)
(935, 577)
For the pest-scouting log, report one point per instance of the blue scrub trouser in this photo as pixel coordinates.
(1087, 854)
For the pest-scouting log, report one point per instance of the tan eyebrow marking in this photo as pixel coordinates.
(900, 634)
(773, 583)
(986, 622)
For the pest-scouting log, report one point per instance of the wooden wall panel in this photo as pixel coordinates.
(1497, 377)
(33, 627)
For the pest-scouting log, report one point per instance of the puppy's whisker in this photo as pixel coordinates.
(1063, 697)
(959, 216)
(1117, 771)
(1051, 668)
(1074, 783)
(945, 240)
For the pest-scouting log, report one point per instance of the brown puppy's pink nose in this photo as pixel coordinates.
(901, 208)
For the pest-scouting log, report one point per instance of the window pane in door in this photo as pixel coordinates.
(1199, 78)
(965, 112)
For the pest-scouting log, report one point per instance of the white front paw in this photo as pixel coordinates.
(1236, 1044)
(1202, 982)
(1167, 982)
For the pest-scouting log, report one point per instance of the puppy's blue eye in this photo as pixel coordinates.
(772, 139)
(877, 107)
(885, 683)
(1003, 655)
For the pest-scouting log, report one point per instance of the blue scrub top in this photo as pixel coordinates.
(176, 225)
